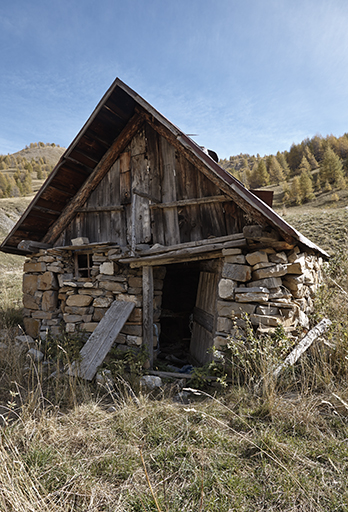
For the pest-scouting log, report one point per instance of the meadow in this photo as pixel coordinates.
(258, 443)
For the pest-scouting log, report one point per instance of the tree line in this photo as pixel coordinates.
(315, 165)
(19, 171)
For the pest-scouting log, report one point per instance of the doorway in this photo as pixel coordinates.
(178, 301)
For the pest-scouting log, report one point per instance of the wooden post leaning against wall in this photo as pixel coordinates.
(148, 311)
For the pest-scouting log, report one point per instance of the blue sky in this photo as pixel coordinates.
(246, 76)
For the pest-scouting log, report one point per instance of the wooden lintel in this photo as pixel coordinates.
(192, 201)
(95, 209)
(189, 254)
(160, 249)
(95, 178)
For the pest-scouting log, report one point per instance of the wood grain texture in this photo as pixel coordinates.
(148, 311)
(101, 340)
(94, 179)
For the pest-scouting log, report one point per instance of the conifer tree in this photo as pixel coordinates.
(306, 186)
(304, 166)
(311, 158)
(331, 167)
(284, 164)
(295, 191)
(259, 176)
(275, 171)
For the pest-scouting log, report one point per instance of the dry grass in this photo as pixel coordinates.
(68, 446)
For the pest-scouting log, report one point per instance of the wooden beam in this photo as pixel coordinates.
(32, 246)
(193, 201)
(94, 179)
(95, 209)
(43, 209)
(148, 311)
(160, 249)
(190, 254)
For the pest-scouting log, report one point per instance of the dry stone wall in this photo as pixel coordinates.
(55, 299)
(271, 287)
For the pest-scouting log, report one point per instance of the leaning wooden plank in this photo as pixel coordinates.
(101, 340)
(304, 344)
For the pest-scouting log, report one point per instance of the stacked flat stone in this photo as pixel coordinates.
(54, 299)
(271, 287)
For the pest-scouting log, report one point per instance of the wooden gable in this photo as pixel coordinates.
(153, 194)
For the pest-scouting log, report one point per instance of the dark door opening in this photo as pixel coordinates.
(178, 302)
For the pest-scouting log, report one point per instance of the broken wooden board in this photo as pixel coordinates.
(304, 344)
(101, 340)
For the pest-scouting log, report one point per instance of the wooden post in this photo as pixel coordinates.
(148, 311)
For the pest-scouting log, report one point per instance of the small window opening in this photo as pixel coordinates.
(83, 264)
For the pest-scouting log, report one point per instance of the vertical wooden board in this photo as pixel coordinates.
(201, 341)
(140, 183)
(212, 215)
(189, 216)
(234, 217)
(114, 183)
(104, 227)
(125, 178)
(155, 184)
(138, 143)
(118, 228)
(171, 223)
(148, 292)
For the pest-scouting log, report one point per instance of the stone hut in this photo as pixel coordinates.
(136, 213)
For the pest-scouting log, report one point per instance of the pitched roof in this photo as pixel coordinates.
(116, 118)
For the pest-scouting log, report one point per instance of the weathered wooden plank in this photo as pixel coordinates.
(148, 311)
(125, 178)
(204, 252)
(203, 318)
(171, 224)
(304, 344)
(156, 249)
(201, 341)
(94, 179)
(91, 209)
(140, 182)
(155, 183)
(101, 340)
(192, 201)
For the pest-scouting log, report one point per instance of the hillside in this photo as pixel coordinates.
(112, 444)
(48, 152)
(22, 173)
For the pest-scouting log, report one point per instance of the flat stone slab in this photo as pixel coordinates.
(236, 272)
(256, 257)
(274, 271)
(269, 282)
